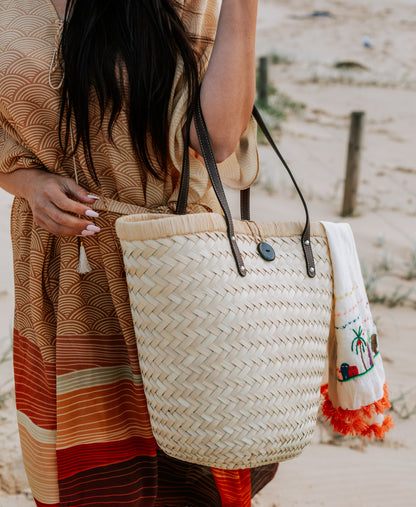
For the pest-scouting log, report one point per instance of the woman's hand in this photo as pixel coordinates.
(55, 201)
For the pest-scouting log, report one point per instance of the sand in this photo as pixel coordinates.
(382, 83)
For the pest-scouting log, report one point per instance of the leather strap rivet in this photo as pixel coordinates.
(311, 269)
(233, 238)
(307, 242)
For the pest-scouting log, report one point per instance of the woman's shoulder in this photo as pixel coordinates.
(200, 16)
(199, 6)
(22, 22)
(27, 43)
(15, 13)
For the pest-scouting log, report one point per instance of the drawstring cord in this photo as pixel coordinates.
(83, 264)
(55, 60)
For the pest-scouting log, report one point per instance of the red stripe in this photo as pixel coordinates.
(35, 382)
(80, 458)
(234, 486)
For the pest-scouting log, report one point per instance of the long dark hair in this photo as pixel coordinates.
(125, 52)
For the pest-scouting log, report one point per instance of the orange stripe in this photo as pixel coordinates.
(81, 352)
(40, 466)
(101, 414)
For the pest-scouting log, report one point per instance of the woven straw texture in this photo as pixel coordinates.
(232, 366)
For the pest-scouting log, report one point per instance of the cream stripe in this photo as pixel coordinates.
(39, 434)
(95, 377)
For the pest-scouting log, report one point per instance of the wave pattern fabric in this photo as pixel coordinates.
(84, 427)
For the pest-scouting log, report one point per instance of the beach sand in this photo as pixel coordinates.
(381, 81)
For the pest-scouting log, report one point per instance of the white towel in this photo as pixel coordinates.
(356, 397)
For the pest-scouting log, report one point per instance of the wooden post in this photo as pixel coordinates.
(352, 174)
(263, 80)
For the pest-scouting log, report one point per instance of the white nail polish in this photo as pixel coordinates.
(93, 228)
(87, 233)
(92, 197)
(91, 213)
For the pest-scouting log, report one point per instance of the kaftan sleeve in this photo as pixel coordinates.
(238, 171)
(13, 155)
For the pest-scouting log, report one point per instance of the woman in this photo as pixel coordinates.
(94, 97)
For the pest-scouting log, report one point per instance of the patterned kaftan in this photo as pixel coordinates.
(84, 428)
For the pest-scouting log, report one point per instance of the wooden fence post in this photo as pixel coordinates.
(263, 80)
(352, 174)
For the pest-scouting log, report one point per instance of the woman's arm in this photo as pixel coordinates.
(228, 87)
(54, 201)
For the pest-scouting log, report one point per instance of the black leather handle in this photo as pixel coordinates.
(306, 235)
(210, 163)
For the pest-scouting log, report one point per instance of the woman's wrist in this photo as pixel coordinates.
(21, 182)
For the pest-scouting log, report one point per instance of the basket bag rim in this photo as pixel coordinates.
(151, 226)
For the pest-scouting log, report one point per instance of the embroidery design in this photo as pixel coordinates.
(366, 349)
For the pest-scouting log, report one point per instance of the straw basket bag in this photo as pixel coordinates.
(232, 320)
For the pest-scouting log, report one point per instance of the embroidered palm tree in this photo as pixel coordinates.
(370, 355)
(360, 344)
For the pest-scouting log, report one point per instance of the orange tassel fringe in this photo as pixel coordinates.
(352, 422)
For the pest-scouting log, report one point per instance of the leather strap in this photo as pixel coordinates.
(186, 174)
(210, 163)
(245, 204)
(306, 235)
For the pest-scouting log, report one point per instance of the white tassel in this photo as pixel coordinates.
(83, 265)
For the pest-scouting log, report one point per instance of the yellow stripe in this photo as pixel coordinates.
(95, 377)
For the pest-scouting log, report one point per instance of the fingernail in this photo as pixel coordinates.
(93, 228)
(92, 197)
(91, 213)
(87, 233)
